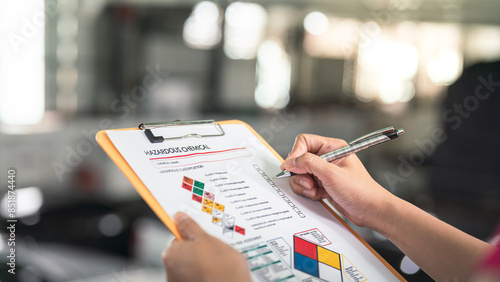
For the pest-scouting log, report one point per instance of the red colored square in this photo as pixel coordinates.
(186, 186)
(197, 198)
(305, 248)
(188, 180)
(239, 229)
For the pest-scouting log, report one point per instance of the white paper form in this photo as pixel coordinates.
(225, 183)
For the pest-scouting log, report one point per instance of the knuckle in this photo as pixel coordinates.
(299, 139)
(302, 137)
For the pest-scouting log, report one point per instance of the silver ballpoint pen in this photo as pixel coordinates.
(363, 142)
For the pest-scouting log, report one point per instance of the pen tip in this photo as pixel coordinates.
(281, 175)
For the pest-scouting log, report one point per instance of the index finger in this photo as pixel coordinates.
(314, 144)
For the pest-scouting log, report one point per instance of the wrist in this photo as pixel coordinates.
(382, 218)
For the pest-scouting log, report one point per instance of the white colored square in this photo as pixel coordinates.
(329, 273)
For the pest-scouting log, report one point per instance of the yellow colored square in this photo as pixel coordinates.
(219, 206)
(216, 219)
(207, 202)
(206, 209)
(329, 257)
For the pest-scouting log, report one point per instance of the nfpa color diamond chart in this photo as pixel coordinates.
(316, 260)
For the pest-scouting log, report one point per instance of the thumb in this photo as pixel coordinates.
(187, 227)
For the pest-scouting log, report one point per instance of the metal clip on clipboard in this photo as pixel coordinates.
(159, 139)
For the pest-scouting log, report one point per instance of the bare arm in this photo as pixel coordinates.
(439, 249)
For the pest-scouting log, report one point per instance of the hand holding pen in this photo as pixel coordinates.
(348, 187)
(345, 183)
(363, 142)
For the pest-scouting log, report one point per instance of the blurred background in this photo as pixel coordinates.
(69, 68)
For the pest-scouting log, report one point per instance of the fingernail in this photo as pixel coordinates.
(309, 193)
(304, 183)
(291, 163)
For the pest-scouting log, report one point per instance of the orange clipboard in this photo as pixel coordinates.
(107, 145)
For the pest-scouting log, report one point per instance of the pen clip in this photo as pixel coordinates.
(384, 131)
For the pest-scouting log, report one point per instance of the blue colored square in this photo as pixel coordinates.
(307, 265)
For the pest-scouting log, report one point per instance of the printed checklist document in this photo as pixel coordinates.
(226, 184)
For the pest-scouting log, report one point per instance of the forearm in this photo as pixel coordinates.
(438, 248)
(441, 250)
